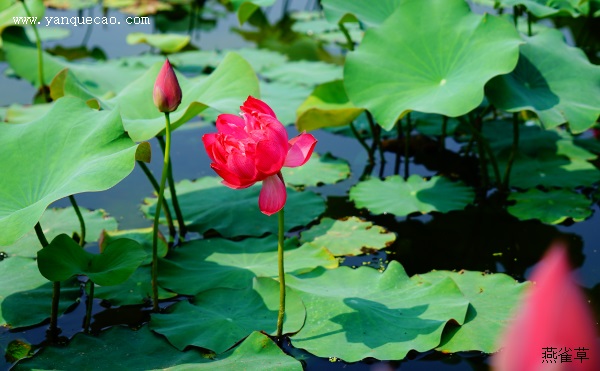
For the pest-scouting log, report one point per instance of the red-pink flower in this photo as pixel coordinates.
(167, 92)
(254, 148)
(554, 327)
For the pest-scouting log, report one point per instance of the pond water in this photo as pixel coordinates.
(456, 240)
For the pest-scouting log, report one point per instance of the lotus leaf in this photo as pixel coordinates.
(552, 207)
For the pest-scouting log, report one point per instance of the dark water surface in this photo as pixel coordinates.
(457, 240)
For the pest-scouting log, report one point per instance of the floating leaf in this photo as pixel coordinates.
(120, 348)
(327, 106)
(18, 114)
(285, 97)
(540, 83)
(540, 8)
(319, 169)
(57, 221)
(24, 287)
(143, 236)
(552, 207)
(198, 60)
(64, 258)
(349, 236)
(205, 264)
(216, 322)
(353, 314)
(399, 197)
(492, 298)
(70, 150)
(440, 69)
(207, 204)
(136, 289)
(303, 73)
(365, 11)
(166, 43)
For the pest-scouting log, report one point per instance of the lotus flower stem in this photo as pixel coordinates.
(362, 142)
(174, 199)
(407, 146)
(281, 314)
(38, 45)
(88, 309)
(513, 151)
(161, 193)
(53, 330)
(81, 221)
(165, 206)
(399, 135)
(349, 42)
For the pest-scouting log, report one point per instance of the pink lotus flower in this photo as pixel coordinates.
(254, 148)
(554, 329)
(167, 92)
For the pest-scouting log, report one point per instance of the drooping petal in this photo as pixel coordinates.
(269, 157)
(272, 195)
(231, 125)
(257, 105)
(554, 318)
(301, 147)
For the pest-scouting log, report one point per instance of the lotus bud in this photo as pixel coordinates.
(167, 93)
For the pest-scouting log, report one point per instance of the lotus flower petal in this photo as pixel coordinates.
(272, 195)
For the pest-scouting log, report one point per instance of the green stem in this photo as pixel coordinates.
(407, 146)
(362, 142)
(53, 330)
(349, 42)
(513, 151)
(373, 135)
(81, 221)
(161, 192)
(38, 44)
(165, 206)
(485, 148)
(281, 275)
(444, 132)
(516, 16)
(398, 136)
(174, 199)
(88, 309)
(529, 23)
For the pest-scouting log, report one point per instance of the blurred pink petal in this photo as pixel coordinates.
(301, 147)
(272, 195)
(554, 324)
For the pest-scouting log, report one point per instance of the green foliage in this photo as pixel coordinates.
(72, 149)
(551, 207)
(318, 170)
(207, 204)
(413, 195)
(166, 43)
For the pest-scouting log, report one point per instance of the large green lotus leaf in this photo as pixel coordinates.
(21, 55)
(370, 13)
(224, 90)
(551, 171)
(136, 290)
(492, 298)
(399, 197)
(319, 169)
(541, 83)
(551, 207)
(327, 106)
(122, 349)
(351, 236)
(166, 43)
(64, 258)
(306, 73)
(245, 8)
(18, 114)
(440, 69)
(205, 264)
(70, 150)
(353, 314)
(57, 221)
(24, 287)
(284, 97)
(219, 318)
(14, 8)
(207, 204)
(143, 236)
